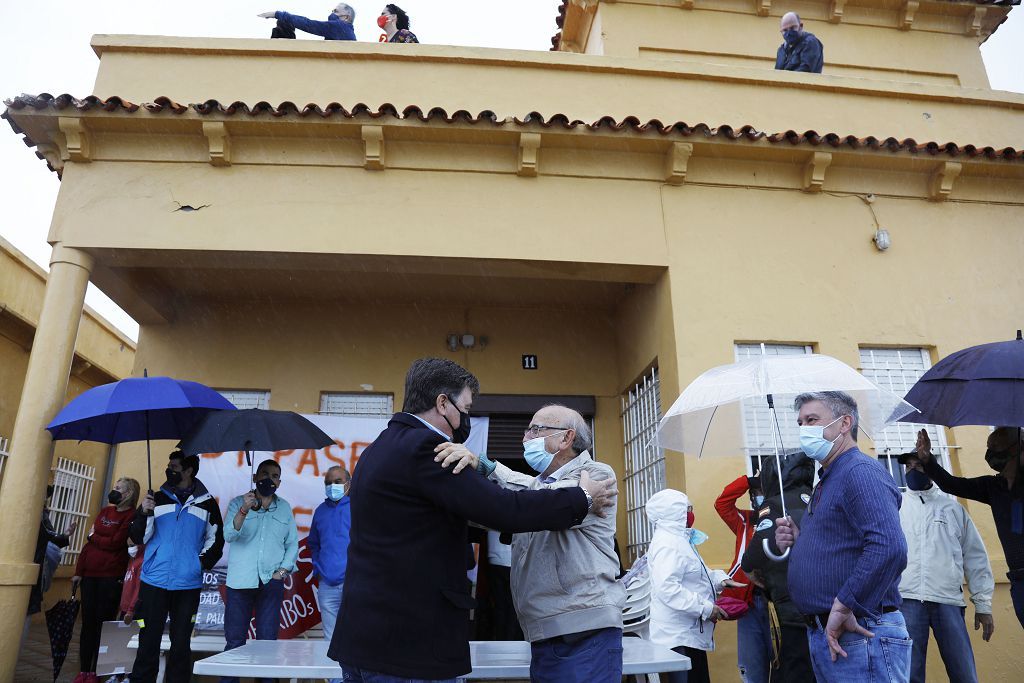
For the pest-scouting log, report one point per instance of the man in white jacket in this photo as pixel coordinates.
(942, 546)
(683, 589)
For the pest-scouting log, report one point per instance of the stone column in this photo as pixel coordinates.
(27, 469)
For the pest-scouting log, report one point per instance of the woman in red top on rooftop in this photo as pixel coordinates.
(100, 568)
(395, 24)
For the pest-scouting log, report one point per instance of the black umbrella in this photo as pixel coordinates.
(60, 622)
(253, 430)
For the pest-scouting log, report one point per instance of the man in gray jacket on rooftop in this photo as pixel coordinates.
(564, 588)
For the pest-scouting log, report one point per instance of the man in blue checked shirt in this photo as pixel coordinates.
(264, 547)
(849, 553)
(328, 546)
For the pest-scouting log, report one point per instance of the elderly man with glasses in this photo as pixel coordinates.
(564, 583)
(337, 27)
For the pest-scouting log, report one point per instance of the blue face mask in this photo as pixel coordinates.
(758, 500)
(790, 35)
(697, 537)
(918, 481)
(537, 455)
(335, 491)
(814, 443)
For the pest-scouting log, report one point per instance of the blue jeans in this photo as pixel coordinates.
(882, 659)
(596, 658)
(329, 600)
(350, 675)
(754, 642)
(947, 623)
(238, 611)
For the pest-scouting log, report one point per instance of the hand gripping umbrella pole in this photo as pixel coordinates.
(776, 439)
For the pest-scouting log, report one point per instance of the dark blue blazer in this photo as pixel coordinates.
(406, 601)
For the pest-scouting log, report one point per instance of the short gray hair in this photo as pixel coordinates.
(346, 10)
(838, 402)
(584, 440)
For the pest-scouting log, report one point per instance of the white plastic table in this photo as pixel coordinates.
(490, 660)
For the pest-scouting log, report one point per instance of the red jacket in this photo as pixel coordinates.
(106, 552)
(132, 578)
(742, 524)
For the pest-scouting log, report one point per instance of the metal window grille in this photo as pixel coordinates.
(645, 462)
(72, 491)
(244, 399)
(898, 370)
(757, 420)
(357, 404)
(5, 450)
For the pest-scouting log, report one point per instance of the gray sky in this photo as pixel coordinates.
(44, 47)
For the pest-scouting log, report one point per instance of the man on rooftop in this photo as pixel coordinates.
(337, 27)
(800, 50)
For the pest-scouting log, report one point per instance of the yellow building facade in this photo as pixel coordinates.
(101, 354)
(300, 218)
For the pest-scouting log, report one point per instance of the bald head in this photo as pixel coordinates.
(791, 20)
(566, 418)
(336, 475)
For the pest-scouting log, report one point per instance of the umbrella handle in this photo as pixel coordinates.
(771, 555)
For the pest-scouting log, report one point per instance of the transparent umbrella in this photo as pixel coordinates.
(706, 419)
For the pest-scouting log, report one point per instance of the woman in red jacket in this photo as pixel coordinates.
(100, 569)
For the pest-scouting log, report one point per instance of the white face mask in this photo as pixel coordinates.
(133, 550)
(814, 443)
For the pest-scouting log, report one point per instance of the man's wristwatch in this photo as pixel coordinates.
(590, 499)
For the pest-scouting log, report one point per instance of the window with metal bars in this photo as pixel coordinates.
(244, 399)
(645, 462)
(359, 404)
(72, 491)
(898, 370)
(757, 420)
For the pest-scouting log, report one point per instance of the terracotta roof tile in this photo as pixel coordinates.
(163, 105)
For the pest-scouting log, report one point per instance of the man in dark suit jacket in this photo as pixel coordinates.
(405, 605)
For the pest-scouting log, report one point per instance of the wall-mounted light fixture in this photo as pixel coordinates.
(881, 239)
(465, 341)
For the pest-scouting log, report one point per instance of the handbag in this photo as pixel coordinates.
(733, 607)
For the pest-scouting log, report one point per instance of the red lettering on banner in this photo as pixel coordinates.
(308, 458)
(335, 458)
(210, 455)
(299, 510)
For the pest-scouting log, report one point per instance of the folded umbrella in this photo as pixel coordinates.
(60, 623)
(136, 409)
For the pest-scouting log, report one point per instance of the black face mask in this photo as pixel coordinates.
(173, 477)
(114, 497)
(997, 460)
(460, 434)
(266, 487)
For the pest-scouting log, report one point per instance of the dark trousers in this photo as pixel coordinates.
(698, 672)
(283, 30)
(504, 622)
(265, 601)
(1017, 593)
(100, 599)
(794, 657)
(155, 605)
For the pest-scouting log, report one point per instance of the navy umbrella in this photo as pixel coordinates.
(60, 622)
(980, 385)
(251, 430)
(137, 409)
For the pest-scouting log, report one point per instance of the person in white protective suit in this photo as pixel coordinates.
(683, 589)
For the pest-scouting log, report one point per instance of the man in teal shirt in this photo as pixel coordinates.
(264, 546)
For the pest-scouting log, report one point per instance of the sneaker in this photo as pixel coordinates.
(80, 678)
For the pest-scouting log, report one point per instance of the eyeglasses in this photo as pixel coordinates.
(535, 430)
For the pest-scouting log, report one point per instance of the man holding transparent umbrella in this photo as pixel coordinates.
(849, 552)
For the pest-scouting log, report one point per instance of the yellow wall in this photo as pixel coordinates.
(866, 44)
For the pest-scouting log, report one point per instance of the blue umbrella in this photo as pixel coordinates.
(980, 385)
(137, 409)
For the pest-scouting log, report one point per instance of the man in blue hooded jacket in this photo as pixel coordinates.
(800, 50)
(337, 27)
(182, 528)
